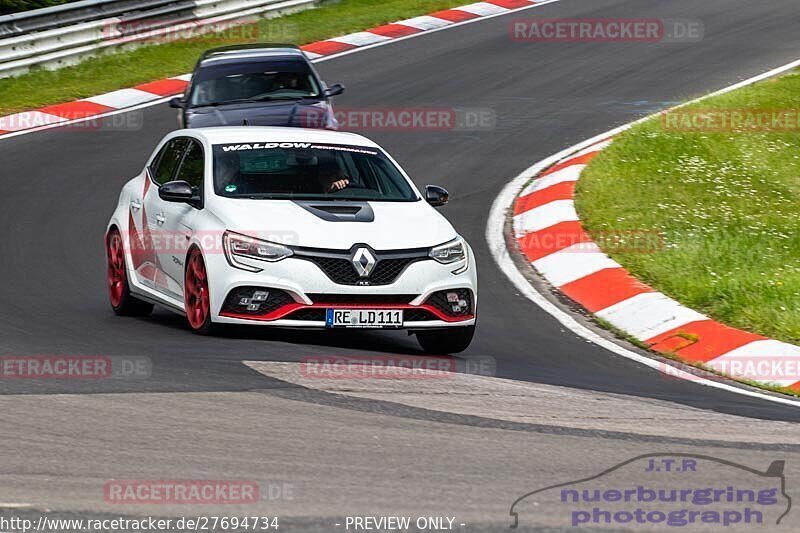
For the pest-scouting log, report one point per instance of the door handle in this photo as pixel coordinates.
(160, 219)
(136, 205)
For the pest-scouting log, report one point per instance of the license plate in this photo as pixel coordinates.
(364, 318)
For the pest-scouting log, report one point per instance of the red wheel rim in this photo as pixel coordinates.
(196, 290)
(116, 268)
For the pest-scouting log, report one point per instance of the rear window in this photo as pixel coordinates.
(291, 170)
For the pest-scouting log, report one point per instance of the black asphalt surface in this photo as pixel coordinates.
(59, 187)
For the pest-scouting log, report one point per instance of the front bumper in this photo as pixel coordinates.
(309, 292)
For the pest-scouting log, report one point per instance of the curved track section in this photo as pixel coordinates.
(204, 413)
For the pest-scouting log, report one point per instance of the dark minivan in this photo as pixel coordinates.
(258, 85)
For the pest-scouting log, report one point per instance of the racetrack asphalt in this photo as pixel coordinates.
(204, 413)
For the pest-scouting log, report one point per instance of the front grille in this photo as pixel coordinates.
(361, 298)
(441, 301)
(338, 265)
(240, 301)
(341, 270)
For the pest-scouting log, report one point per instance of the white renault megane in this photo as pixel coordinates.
(293, 228)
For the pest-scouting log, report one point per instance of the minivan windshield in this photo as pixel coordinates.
(253, 82)
(304, 170)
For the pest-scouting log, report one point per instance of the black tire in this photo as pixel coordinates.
(122, 301)
(208, 329)
(133, 306)
(446, 341)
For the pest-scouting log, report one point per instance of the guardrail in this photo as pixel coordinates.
(63, 35)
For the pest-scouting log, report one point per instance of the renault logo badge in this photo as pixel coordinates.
(363, 261)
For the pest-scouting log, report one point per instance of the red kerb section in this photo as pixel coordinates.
(604, 288)
(702, 341)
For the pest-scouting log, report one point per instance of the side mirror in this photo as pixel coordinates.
(436, 196)
(178, 192)
(334, 90)
(176, 102)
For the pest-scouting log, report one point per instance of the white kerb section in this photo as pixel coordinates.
(573, 263)
(766, 360)
(27, 120)
(361, 38)
(648, 315)
(482, 8)
(123, 98)
(425, 22)
(544, 216)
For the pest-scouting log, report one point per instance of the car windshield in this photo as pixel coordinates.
(292, 170)
(248, 82)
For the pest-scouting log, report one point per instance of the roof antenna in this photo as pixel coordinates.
(245, 122)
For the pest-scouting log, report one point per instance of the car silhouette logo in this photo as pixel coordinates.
(363, 261)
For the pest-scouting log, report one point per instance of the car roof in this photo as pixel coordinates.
(251, 53)
(262, 134)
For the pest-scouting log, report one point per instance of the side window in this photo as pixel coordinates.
(164, 165)
(192, 167)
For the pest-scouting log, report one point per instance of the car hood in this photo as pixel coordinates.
(383, 225)
(293, 113)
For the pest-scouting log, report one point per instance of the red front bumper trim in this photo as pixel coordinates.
(289, 308)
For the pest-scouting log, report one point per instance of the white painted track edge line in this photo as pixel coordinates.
(496, 239)
(161, 100)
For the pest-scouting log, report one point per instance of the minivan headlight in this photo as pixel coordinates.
(243, 247)
(449, 252)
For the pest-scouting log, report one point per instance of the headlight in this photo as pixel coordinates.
(450, 252)
(242, 247)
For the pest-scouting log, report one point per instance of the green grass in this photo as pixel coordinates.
(109, 72)
(727, 206)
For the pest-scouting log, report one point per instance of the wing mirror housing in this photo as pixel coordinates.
(176, 102)
(436, 196)
(334, 90)
(179, 192)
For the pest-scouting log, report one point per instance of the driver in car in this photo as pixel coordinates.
(289, 80)
(228, 172)
(332, 178)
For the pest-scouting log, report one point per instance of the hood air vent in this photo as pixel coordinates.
(339, 211)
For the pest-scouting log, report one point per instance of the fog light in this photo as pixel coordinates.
(244, 301)
(253, 307)
(452, 297)
(260, 296)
